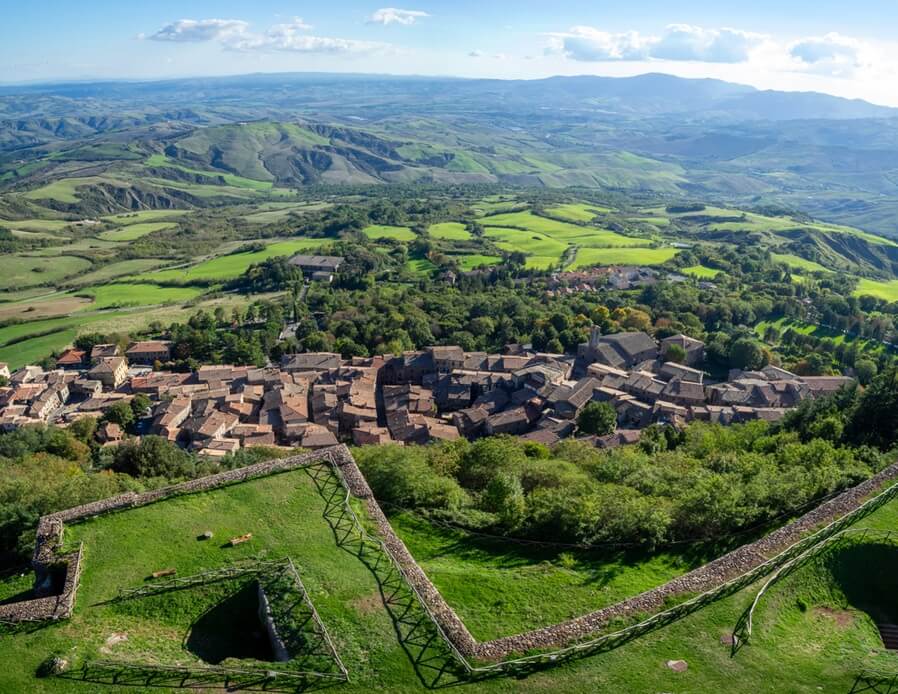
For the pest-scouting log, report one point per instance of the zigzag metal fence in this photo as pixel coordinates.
(617, 638)
(313, 645)
(224, 573)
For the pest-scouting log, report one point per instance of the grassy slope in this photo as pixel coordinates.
(622, 256)
(798, 263)
(793, 650)
(119, 295)
(576, 212)
(883, 290)
(450, 231)
(229, 266)
(135, 231)
(28, 271)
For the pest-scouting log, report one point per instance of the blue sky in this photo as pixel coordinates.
(850, 49)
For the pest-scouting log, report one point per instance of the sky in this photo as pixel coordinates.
(844, 48)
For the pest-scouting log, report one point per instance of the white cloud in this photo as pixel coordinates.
(192, 30)
(679, 42)
(393, 15)
(234, 34)
(686, 42)
(832, 47)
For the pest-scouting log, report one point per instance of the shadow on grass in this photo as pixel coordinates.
(230, 629)
(434, 663)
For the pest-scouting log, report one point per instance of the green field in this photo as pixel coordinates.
(121, 268)
(135, 231)
(701, 272)
(449, 231)
(145, 216)
(798, 263)
(562, 231)
(577, 212)
(22, 271)
(469, 262)
(888, 291)
(273, 212)
(587, 257)
(229, 266)
(420, 266)
(65, 189)
(121, 295)
(382, 231)
(40, 225)
(813, 631)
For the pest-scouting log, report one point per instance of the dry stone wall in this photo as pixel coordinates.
(707, 577)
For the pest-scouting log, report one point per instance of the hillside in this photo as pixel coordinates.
(727, 143)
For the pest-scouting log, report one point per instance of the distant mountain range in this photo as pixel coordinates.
(649, 94)
(834, 158)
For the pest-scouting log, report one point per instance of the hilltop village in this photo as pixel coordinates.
(314, 400)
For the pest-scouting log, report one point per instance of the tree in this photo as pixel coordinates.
(745, 353)
(675, 353)
(597, 418)
(120, 413)
(504, 496)
(865, 370)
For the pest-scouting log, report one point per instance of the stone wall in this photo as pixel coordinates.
(704, 578)
(47, 557)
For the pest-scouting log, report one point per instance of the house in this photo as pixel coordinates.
(317, 267)
(99, 352)
(149, 352)
(316, 436)
(371, 434)
(447, 359)
(110, 434)
(515, 421)
(620, 350)
(71, 359)
(671, 370)
(110, 371)
(695, 349)
(567, 401)
(311, 361)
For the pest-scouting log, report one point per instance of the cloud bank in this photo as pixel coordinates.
(235, 34)
(679, 42)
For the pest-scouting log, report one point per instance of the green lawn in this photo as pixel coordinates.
(121, 295)
(587, 257)
(701, 272)
(449, 231)
(22, 271)
(798, 263)
(577, 212)
(229, 266)
(530, 242)
(135, 231)
(887, 291)
(382, 231)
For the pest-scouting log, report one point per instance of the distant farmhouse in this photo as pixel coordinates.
(317, 267)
